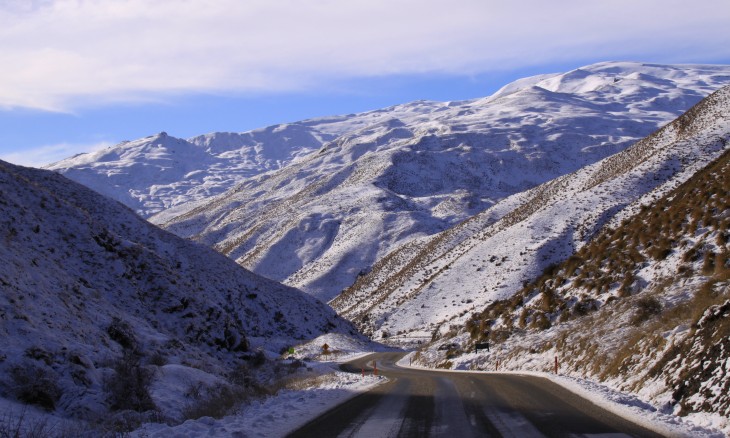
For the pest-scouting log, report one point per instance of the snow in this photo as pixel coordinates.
(342, 348)
(324, 388)
(273, 416)
(343, 192)
(640, 412)
(172, 384)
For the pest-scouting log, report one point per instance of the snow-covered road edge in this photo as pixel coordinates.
(625, 405)
(277, 415)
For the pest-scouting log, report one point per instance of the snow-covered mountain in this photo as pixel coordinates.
(88, 285)
(414, 170)
(434, 283)
(160, 171)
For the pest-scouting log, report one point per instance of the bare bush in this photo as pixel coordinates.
(129, 388)
(35, 385)
(16, 426)
(121, 332)
(217, 401)
(646, 307)
(19, 424)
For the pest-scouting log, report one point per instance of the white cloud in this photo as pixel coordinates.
(60, 54)
(48, 154)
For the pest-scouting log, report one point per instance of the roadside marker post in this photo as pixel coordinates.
(375, 366)
(556, 364)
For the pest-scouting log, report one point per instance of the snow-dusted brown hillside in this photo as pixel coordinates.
(88, 286)
(644, 306)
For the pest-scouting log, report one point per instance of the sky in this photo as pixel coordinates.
(79, 75)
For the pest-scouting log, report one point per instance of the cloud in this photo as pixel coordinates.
(48, 154)
(61, 54)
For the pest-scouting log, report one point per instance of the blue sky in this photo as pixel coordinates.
(83, 74)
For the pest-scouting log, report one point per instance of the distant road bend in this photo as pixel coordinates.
(422, 403)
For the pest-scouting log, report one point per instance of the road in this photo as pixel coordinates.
(422, 403)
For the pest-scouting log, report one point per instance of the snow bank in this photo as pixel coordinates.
(277, 415)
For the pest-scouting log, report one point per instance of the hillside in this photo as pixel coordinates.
(644, 306)
(414, 170)
(432, 284)
(102, 313)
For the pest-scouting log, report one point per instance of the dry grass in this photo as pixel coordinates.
(615, 256)
(304, 383)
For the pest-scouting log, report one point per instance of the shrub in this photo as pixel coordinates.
(242, 376)
(158, 359)
(19, 424)
(583, 306)
(646, 307)
(121, 332)
(541, 321)
(216, 402)
(35, 385)
(708, 264)
(129, 388)
(626, 285)
(259, 359)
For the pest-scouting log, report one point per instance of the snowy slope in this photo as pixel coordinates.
(432, 283)
(414, 170)
(87, 284)
(643, 307)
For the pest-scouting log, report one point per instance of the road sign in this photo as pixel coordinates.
(482, 346)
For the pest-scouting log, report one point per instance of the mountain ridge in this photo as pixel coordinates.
(224, 158)
(420, 168)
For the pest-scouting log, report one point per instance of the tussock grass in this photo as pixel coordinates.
(600, 289)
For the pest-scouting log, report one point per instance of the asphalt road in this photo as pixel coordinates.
(422, 403)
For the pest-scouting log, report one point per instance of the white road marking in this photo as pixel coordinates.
(512, 424)
(450, 416)
(385, 419)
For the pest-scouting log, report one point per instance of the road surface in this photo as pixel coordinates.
(422, 403)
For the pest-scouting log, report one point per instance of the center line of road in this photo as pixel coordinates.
(512, 424)
(385, 419)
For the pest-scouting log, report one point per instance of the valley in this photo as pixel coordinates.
(579, 216)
